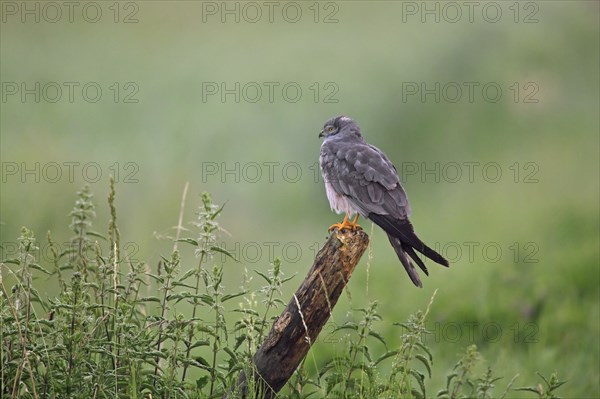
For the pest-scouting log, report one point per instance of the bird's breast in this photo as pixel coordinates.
(339, 203)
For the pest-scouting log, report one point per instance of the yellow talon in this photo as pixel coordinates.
(346, 224)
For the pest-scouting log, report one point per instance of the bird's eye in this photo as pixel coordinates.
(330, 129)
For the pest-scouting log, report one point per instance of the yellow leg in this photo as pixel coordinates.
(339, 226)
(346, 224)
(353, 223)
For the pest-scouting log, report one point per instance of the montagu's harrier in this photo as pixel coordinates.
(360, 179)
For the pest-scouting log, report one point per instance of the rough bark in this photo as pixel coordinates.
(297, 328)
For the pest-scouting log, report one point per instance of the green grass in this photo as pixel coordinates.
(121, 328)
(171, 134)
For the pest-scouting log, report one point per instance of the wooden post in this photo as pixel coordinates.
(297, 328)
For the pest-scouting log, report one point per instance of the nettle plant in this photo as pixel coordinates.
(119, 328)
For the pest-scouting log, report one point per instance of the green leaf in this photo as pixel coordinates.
(207, 299)
(231, 353)
(201, 382)
(386, 356)
(202, 361)
(247, 311)
(201, 342)
(239, 340)
(189, 241)
(180, 284)
(187, 274)
(264, 276)
(347, 326)
(285, 280)
(425, 362)
(223, 251)
(527, 389)
(95, 234)
(420, 377)
(231, 296)
(149, 299)
(449, 379)
(217, 212)
(425, 349)
(378, 337)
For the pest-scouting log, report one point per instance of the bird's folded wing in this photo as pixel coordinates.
(366, 177)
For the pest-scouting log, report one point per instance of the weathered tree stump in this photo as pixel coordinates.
(297, 328)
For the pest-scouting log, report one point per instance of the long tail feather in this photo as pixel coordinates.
(408, 249)
(404, 231)
(405, 260)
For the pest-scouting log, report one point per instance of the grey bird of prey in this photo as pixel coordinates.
(360, 179)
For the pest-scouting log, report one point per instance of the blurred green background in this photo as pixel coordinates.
(524, 244)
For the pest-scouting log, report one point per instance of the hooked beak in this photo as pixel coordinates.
(321, 134)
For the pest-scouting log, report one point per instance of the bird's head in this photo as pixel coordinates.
(340, 126)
